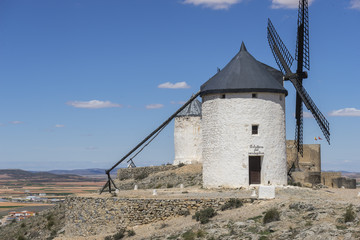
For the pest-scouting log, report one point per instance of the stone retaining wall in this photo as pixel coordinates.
(127, 173)
(86, 216)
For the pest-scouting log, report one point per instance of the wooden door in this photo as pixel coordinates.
(254, 169)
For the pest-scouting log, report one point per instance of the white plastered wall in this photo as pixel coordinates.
(187, 140)
(227, 136)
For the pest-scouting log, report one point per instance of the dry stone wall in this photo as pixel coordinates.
(127, 173)
(86, 216)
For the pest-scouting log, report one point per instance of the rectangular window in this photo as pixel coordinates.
(255, 129)
(254, 95)
(223, 96)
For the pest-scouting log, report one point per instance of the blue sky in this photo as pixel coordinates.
(83, 81)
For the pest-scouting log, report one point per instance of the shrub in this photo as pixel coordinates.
(163, 225)
(349, 215)
(21, 237)
(119, 235)
(53, 233)
(189, 235)
(231, 204)
(49, 217)
(200, 233)
(181, 165)
(131, 233)
(50, 224)
(169, 185)
(293, 183)
(184, 212)
(23, 225)
(141, 176)
(204, 215)
(271, 215)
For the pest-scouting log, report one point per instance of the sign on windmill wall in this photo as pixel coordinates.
(256, 150)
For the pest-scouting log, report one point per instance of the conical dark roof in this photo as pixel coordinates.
(193, 109)
(244, 74)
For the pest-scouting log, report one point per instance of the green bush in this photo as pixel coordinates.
(169, 185)
(181, 165)
(184, 212)
(200, 233)
(21, 237)
(271, 215)
(119, 235)
(349, 215)
(131, 233)
(49, 217)
(50, 224)
(204, 215)
(231, 204)
(23, 225)
(189, 235)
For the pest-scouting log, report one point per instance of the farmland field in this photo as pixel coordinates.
(16, 185)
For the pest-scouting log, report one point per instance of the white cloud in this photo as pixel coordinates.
(16, 122)
(154, 106)
(213, 4)
(174, 85)
(59, 126)
(91, 148)
(346, 112)
(307, 115)
(178, 102)
(355, 4)
(93, 104)
(287, 3)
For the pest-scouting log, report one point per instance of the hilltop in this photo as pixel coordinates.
(22, 175)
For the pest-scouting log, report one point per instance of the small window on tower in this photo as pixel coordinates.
(255, 129)
(223, 96)
(254, 95)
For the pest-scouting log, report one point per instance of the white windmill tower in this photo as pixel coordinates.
(187, 134)
(243, 125)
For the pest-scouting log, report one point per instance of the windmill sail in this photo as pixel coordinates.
(310, 105)
(281, 53)
(284, 60)
(302, 43)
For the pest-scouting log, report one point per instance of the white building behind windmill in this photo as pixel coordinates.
(242, 125)
(187, 134)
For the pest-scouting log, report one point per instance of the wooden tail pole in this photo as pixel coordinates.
(107, 172)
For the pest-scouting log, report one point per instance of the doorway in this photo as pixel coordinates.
(254, 169)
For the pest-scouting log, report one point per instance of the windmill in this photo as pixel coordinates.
(284, 60)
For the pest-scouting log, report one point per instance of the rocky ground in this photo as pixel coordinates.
(304, 213)
(45, 225)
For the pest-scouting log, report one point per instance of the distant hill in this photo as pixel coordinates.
(81, 172)
(84, 172)
(40, 176)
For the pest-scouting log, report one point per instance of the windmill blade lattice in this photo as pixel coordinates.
(284, 61)
(281, 54)
(310, 105)
(303, 35)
